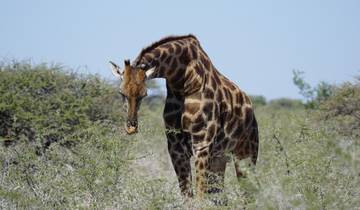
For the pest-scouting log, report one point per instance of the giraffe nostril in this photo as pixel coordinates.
(132, 123)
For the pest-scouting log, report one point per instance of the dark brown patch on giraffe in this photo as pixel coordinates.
(228, 84)
(238, 132)
(162, 71)
(203, 153)
(208, 93)
(156, 53)
(197, 162)
(240, 144)
(198, 126)
(168, 60)
(217, 79)
(183, 176)
(178, 83)
(230, 125)
(228, 96)
(225, 141)
(198, 138)
(174, 64)
(208, 110)
(218, 147)
(166, 46)
(171, 107)
(199, 70)
(211, 132)
(178, 148)
(224, 114)
(253, 134)
(193, 51)
(154, 62)
(148, 58)
(248, 115)
(219, 96)
(237, 111)
(182, 169)
(205, 61)
(231, 144)
(248, 146)
(192, 108)
(184, 57)
(254, 124)
(188, 76)
(240, 98)
(174, 155)
(186, 121)
(201, 165)
(178, 76)
(171, 49)
(180, 135)
(199, 119)
(230, 117)
(177, 170)
(177, 48)
(163, 56)
(173, 121)
(216, 110)
(220, 136)
(213, 82)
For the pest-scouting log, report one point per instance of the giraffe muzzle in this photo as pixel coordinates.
(131, 126)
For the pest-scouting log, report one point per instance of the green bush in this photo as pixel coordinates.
(285, 103)
(60, 134)
(258, 100)
(313, 95)
(44, 104)
(343, 108)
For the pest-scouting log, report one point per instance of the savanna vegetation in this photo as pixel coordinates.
(63, 146)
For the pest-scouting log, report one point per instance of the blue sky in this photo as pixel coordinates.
(256, 44)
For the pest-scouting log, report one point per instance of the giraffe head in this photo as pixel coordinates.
(133, 89)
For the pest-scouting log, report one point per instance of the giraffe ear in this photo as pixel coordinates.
(117, 72)
(150, 73)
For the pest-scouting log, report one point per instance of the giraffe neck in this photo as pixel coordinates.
(182, 62)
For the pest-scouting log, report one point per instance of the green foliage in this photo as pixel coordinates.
(286, 103)
(313, 95)
(258, 100)
(57, 133)
(305, 89)
(343, 108)
(44, 104)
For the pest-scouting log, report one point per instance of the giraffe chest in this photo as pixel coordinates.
(198, 112)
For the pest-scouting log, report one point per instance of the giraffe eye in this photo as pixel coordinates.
(142, 66)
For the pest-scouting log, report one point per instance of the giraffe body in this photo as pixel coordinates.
(206, 115)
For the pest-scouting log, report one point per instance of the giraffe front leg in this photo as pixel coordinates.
(180, 154)
(201, 165)
(217, 166)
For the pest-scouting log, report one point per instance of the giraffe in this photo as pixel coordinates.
(206, 115)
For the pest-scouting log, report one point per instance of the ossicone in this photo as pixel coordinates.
(127, 62)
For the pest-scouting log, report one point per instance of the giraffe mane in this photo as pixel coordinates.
(163, 41)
